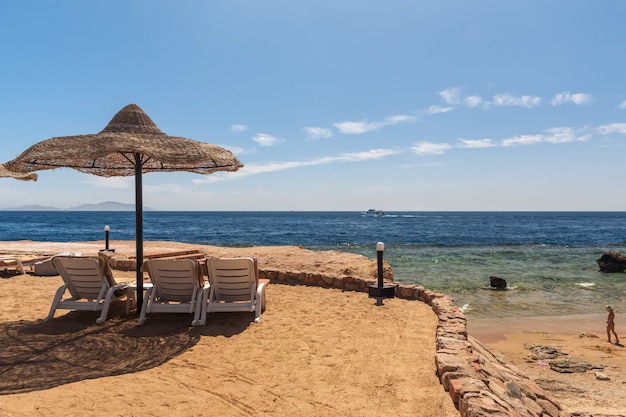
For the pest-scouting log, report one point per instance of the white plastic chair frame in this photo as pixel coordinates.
(89, 287)
(234, 286)
(176, 288)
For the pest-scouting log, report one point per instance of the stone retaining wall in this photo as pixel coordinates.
(479, 383)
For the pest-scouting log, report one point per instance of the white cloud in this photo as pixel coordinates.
(473, 101)
(622, 105)
(563, 135)
(451, 95)
(553, 135)
(439, 109)
(400, 118)
(356, 128)
(317, 132)
(254, 169)
(581, 98)
(238, 128)
(567, 97)
(507, 99)
(366, 155)
(522, 140)
(429, 148)
(364, 126)
(612, 128)
(476, 143)
(266, 140)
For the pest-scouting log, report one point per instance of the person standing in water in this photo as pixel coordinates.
(610, 324)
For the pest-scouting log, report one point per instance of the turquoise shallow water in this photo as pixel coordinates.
(548, 259)
(542, 280)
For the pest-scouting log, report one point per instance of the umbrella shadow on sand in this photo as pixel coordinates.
(70, 348)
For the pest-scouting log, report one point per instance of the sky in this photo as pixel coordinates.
(331, 105)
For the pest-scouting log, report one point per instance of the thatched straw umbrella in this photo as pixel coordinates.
(5, 173)
(130, 144)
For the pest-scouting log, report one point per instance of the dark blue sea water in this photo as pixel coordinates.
(547, 258)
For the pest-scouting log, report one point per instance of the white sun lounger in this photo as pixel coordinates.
(177, 287)
(234, 286)
(90, 285)
(12, 262)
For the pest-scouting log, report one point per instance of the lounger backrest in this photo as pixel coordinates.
(82, 276)
(232, 279)
(174, 279)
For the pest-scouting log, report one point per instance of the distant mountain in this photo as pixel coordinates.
(34, 207)
(104, 206)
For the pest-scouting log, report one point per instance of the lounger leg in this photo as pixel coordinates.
(105, 307)
(196, 308)
(131, 300)
(144, 307)
(200, 314)
(263, 304)
(205, 306)
(20, 266)
(260, 303)
(55, 301)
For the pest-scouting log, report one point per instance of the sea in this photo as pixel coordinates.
(548, 259)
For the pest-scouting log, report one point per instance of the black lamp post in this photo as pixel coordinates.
(106, 237)
(381, 291)
(106, 240)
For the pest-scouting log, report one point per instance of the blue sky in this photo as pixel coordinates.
(331, 105)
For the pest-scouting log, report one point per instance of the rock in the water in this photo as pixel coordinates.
(496, 282)
(612, 262)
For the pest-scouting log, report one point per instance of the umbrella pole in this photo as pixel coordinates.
(139, 230)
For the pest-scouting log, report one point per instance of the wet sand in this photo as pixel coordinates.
(582, 338)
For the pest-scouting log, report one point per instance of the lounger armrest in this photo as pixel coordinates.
(117, 288)
(121, 285)
(259, 291)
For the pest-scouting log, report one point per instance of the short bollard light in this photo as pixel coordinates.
(381, 290)
(106, 239)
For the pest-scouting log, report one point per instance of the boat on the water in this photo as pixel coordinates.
(374, 213)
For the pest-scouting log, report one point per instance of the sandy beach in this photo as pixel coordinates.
(316, 351)
(583, 339)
